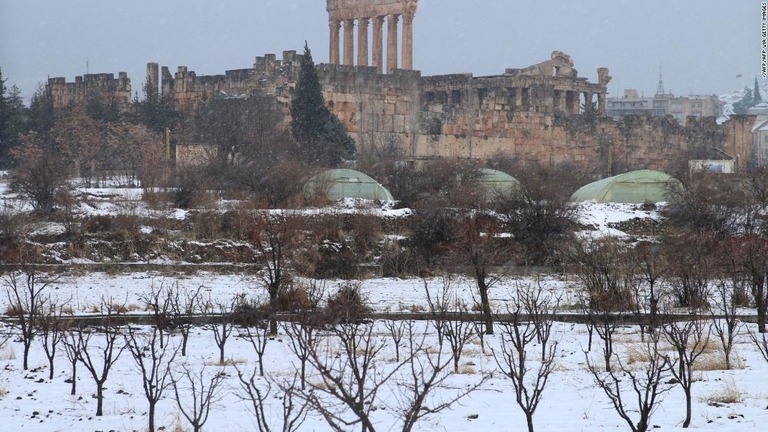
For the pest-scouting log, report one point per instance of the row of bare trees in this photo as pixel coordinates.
(344, 370)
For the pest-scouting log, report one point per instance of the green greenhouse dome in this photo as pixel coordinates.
(498, 183)
(338, 184)
(633, 187)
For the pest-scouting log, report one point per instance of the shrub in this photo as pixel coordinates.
(347, 304)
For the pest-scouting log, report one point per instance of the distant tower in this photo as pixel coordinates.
(660, 88)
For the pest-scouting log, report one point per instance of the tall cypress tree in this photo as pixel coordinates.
(13, 120)
(320, 134)
(756, 99)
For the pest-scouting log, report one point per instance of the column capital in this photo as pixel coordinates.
(410, 12)
(334, 25)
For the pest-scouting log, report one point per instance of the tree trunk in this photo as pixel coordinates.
(687, 421)
(529, 420)
(221, 353)
(486, 306)
(27, 343)
(99, 399)
(272, 310)
(50, 366)
(74, 378)
(151, 415)
(184, 339)
(760, 302)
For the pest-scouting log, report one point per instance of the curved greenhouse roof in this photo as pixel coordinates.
(496, 183)
(337, 184)
(632, 187)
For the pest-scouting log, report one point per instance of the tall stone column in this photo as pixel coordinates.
(392, 42)
(408, 38)
(587, 100)
(378, 43)
(349, 41)
(362, 42)
(334, 48)
(601, 103)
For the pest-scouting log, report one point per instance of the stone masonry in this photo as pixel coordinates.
(348, 13)
(544, 113)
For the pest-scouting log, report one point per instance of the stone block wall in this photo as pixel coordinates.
(541, 113)
(68, 94)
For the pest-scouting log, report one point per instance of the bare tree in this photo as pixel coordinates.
(541, 309)
(41, 171)
(302, 330)
(72, 348)
(761, 342)
(726, 327)
(25, 290)
(53, 330)
(272, 239)
(453, 321)
(202, 392)
(159, 301)
(349, 379)
(257, 395)
(425, 372)
(154, 359)
(602, 268)
(753, 258)
(396, 329)
(517, 337)
(645, 385)
(694, 264)
(604, 323)
(258, 336)
(648, 262)
(183, 306)
(303, 341)
(689, 340)
(219, 318)
(99, 359)
(478, 245)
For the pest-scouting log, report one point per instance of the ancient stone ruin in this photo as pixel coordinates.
(364, 12)
(544, 112)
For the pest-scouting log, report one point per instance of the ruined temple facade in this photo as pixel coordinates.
(347, 14)
(543, 113)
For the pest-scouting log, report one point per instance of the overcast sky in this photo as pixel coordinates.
(702, 45)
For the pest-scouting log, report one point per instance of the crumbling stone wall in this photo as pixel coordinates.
(68, 94)
(542, 113)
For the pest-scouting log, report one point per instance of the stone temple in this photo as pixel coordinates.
(540, 113)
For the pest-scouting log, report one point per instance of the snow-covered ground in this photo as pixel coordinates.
(571, 401)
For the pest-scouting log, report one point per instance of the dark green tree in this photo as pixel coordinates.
(155, 111)
(745, 103)
(100, 108)
(321, 136)
(756, 94)
(41, 115)
(13, 119)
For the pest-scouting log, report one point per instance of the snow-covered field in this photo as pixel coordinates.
(29, 401)
(571, 400)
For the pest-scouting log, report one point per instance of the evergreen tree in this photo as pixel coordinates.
(756, 94)
(41, 115)
(13, 119)
(745, 103)
(155, 111)
(320, 134)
